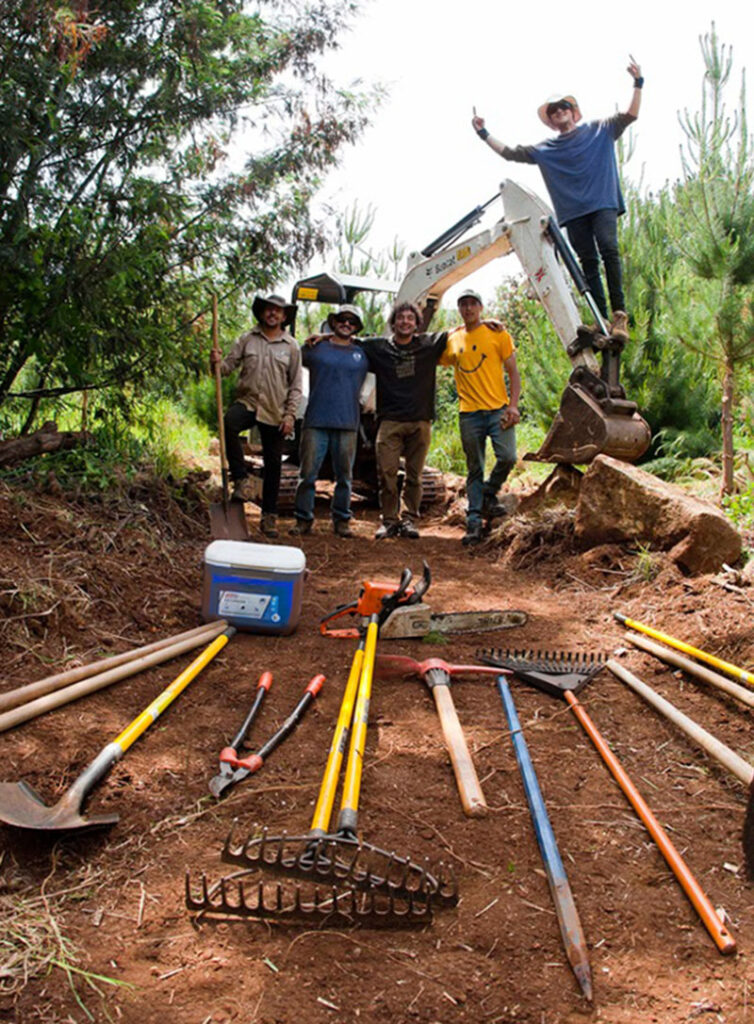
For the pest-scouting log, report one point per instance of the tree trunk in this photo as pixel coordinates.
(46, 439)
(727, 483)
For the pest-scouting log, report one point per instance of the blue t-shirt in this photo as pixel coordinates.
(579, 167)
(336, 373)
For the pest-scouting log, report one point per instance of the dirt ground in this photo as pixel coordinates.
(81, 580)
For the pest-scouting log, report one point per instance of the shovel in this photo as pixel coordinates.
(227, 519)
(22, 807)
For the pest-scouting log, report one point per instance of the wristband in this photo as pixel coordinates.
(482, 133)
(639, 82)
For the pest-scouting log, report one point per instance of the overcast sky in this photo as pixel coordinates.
(421, 165)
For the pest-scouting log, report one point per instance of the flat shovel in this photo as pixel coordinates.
(22, 807)
(227, 519)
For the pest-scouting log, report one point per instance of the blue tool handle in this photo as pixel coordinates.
(542, 826)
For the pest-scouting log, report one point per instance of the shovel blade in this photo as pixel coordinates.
(227, 521)
(22, 807)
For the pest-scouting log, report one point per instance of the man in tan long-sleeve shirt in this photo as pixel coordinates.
(267, 397)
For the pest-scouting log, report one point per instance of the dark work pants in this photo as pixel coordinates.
(237, 419)
(588, 234)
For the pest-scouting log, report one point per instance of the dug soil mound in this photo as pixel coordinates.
(95, 927)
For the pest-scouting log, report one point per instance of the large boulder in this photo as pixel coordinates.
(619, 502)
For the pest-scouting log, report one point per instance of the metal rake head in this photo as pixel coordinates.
(551, 671)
(345, 863)
(231, 898)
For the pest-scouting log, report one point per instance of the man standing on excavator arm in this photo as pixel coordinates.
(581, 175)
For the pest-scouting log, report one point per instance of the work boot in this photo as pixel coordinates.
(386, 530)
(243, 490)
(492, 509)
(342, 528)
(269, 525)
(301, 527)
(619, 326)
(473, 535)
(407, 529)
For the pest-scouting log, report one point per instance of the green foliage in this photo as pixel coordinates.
(740, 508)
(716, 204)
(121, 206)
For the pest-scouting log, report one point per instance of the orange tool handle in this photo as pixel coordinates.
(720, 934)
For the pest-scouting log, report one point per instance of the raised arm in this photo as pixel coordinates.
(477, 123)
(635, 71)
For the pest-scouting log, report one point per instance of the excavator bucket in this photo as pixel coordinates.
(586, 427)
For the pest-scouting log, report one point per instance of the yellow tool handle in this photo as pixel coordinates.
(150, 714)
(349, 805)
(326, 798)
(710, 659)
(469, 789)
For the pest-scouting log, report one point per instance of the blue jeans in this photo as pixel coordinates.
(316, 442)
(476, 427)
(599, 230)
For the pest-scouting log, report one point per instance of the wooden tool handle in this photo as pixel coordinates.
(469, 789)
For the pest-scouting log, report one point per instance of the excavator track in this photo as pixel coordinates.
(433, 486)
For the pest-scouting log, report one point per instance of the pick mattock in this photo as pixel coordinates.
(394, 888)
(564, 675)
(22, 806)
(728, 758)
(437, 675)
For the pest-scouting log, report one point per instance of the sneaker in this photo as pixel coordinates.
(269, 525)
(473, 535)
(301, 527)
(243, 490)
(619, 326)
(341, 528)
(387, 530)
(407, 529)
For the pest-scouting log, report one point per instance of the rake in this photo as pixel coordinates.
(563, 674)
(389, 885)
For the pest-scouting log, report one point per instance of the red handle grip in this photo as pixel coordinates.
(265, 681)
(315, 685)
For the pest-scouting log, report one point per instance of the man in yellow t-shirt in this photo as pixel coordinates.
(480, 358)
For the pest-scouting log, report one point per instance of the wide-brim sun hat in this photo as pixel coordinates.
(345, 310)
(273, 300)
(558, 98)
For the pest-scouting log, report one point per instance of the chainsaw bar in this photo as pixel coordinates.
(418, 620)
(230, 897)
(344, 863)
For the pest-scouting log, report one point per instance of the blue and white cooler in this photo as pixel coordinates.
(257, 588)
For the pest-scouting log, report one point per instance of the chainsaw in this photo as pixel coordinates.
(411, 617)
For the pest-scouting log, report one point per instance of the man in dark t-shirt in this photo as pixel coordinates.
(581, 174)
(337, 368)
(404, 366)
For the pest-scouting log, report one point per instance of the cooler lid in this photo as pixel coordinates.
(240, 554)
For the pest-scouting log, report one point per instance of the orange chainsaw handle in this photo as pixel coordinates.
(340, 611)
